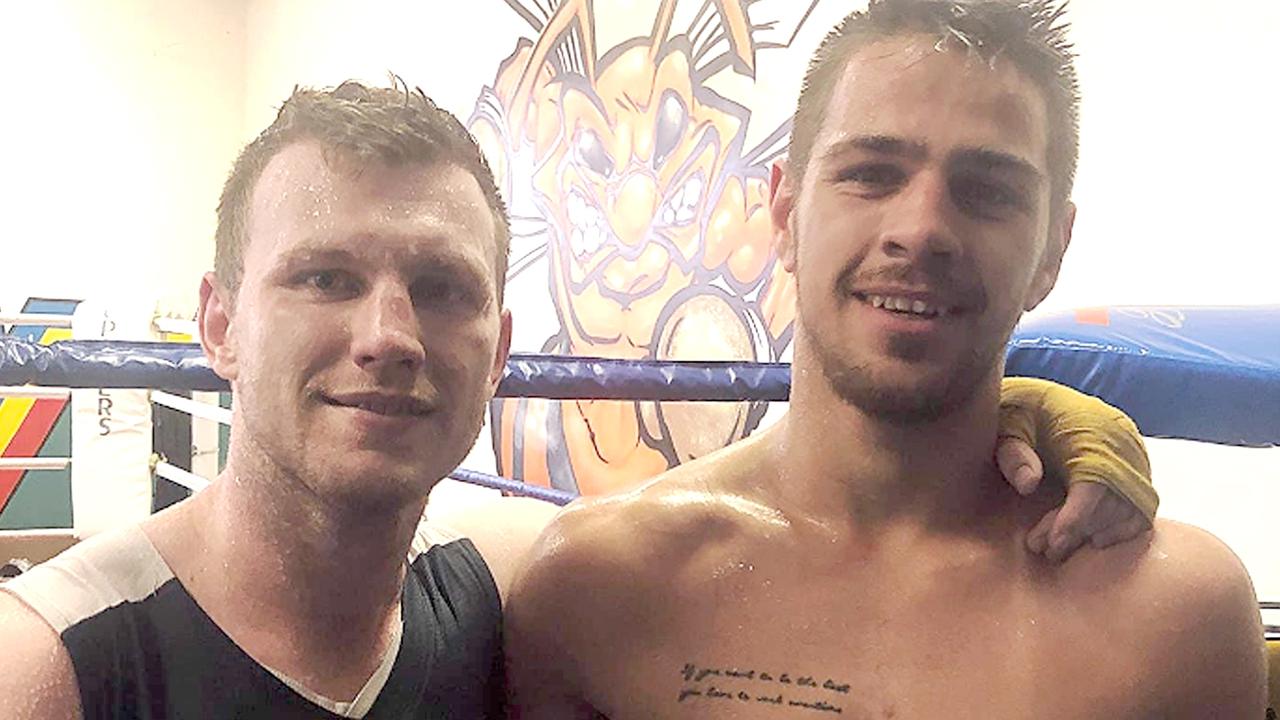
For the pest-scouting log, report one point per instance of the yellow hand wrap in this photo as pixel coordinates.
(1079, 438)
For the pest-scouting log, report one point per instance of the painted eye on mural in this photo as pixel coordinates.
(670, 127)
(590, 152)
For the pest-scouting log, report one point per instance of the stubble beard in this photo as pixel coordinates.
(860, 386)
(284, 456)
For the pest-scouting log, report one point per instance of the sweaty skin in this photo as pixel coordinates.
(863, 557)
(699, 588)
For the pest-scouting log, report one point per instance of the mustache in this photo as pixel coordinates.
(967, 293)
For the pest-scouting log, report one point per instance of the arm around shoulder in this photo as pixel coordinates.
(37, 680)
(1216, 655)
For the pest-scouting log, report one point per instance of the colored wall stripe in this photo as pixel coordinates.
(29, 438)
(12, 412)
(25, 423)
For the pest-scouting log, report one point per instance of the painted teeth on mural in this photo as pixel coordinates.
(682, 206)
(593, 238)
(688, 199)
(589, 231)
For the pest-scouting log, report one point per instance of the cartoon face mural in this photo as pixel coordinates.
(656, 224)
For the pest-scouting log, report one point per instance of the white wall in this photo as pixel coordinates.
(1179, 152)
(120, 121)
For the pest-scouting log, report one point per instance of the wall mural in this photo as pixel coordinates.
(631, 186)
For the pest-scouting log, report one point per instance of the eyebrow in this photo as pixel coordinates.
(996, 161)
(881, 145)
(982, 158)
(433, 259)
(309, 253)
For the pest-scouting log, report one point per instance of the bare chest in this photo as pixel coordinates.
(776, 648)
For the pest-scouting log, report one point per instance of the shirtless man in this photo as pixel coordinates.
(862, 557)
(357, 311)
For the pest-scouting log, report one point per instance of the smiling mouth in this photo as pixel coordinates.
(910, 307)
(387, 405)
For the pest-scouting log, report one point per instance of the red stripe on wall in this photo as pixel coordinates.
(9, 480)
(34, 430)
(27, 441)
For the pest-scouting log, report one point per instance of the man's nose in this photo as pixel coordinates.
(386, 332)
(920, 224)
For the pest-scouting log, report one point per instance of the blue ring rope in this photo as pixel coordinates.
(515, 487)
(174, 366)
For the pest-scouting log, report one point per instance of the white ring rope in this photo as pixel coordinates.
(34, 391)
(36, 463)
(202, 410)
(23, 319)
(176, 325)
(188, 480)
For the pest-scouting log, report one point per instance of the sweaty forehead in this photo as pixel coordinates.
(302, 194)
(944, 96)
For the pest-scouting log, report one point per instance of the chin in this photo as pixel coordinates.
(903, 392)
(899, 404)
(375, 482)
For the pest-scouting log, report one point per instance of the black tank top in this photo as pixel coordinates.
(142, 647)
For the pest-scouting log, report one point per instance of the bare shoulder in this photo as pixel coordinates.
(1214, 629)
(1188, 600)
(1201, 581)
(1191, 572)
(1172, 556)
(37, 679)
(605, 575)
(646, 535)
(608, 555)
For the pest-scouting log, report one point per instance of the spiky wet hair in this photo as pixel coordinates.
(1032, 34)
(356, 125)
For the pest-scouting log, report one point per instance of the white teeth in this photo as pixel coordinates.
(589, 230)
(907, 305)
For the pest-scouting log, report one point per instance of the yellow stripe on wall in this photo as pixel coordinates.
(55, 334)
(12, 412)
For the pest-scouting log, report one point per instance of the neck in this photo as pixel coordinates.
(325, 576)
(869, 472)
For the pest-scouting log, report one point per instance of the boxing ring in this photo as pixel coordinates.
(1208, 378)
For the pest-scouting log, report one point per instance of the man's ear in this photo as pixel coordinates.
(501, 353)
(782, 198)
(1051, 262)
(215, 319)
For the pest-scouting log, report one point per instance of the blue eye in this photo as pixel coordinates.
(874, 178)
(444, 292)
(324, 280)
(330, 283)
